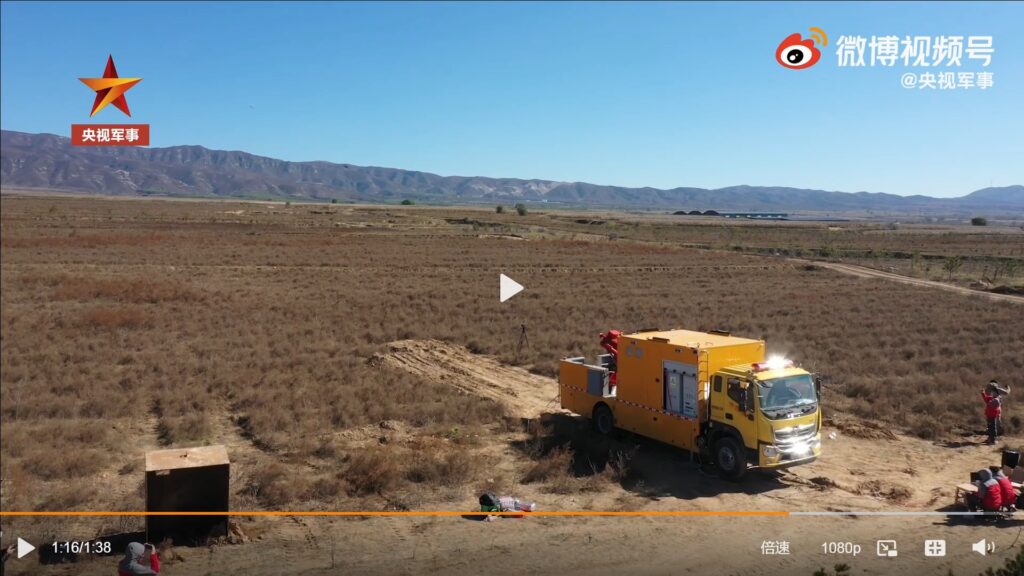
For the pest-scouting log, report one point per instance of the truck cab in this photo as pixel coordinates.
(771, 412)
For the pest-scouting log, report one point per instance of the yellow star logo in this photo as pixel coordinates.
(110, 89)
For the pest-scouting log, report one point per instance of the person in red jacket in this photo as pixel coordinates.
(139, 559)
(993, 409)
(988, 497)
(1006, 489)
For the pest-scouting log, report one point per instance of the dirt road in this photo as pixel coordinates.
(865, 272)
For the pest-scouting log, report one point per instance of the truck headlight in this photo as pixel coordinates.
(770, 451)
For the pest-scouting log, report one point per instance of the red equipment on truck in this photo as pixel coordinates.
(610, 342)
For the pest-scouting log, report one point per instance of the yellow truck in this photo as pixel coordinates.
(706, 392)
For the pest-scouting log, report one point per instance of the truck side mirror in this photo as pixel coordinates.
(746, 402)
(817, 386)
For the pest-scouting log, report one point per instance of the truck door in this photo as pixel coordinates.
(739, 410)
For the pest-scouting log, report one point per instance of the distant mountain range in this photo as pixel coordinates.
(50, 162)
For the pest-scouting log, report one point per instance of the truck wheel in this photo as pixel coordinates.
(730, 458)
(603, 421)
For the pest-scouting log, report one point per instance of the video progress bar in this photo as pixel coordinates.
(403, 513)
(639, 513)
(865, 513)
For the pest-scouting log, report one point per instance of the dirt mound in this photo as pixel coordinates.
(823, 482)
(524, 395)
(385, 432)
(859, 428)
(1012, 290)
(891, 491)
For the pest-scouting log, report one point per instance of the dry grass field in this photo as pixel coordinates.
(129, 325)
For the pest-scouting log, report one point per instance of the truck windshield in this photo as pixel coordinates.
(787, 393)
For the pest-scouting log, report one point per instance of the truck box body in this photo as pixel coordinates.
(663, 381)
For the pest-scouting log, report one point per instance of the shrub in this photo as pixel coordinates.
(979, 221)
(521, 209)
(618, 467)
(838, 570)
(499, 209)
(115, 318)
(554, 467)
(952, 264)
(325, 488)
(60, 464)
(131, 290)
(450, 467)
(69, 497)
(406, 202)
(186, 426)
(272, 486)
(373, 471)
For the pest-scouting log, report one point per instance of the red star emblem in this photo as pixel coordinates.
(110, 89)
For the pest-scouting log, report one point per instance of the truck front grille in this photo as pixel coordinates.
(787, 438)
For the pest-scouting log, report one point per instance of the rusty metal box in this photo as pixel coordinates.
(187, 480)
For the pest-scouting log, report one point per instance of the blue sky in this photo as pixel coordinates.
(664, 95)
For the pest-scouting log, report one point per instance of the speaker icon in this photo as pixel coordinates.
(983, 547)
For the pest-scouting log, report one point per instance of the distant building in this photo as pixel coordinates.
(747, 215)
(756, 215)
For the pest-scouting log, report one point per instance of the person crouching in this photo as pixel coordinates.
(1007, 493)
(989, 496)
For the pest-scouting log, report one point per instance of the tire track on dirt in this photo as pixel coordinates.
(523, 394)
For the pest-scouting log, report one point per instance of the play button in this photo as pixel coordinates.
(24, 548)
(508, 288)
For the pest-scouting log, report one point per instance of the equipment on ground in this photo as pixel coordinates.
(706, 392)
(491, 503)
(1011, 459)
(187, 480)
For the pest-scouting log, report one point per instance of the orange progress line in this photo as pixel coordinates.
(406, 513)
